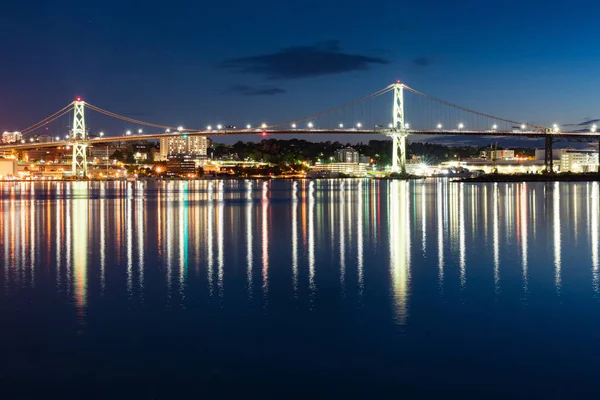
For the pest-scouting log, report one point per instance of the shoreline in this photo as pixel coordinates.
(516, 178)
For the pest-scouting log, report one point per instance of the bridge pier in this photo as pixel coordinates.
(548, 157)
(399, 134)
(79, 136)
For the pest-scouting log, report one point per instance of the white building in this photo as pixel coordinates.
(578, 160)
(8, 169)
(184, 147)
(11, 137)
(352, 169)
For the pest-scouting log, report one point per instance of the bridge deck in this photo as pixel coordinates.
(238, 132)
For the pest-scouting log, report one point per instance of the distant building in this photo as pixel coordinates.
(8, 168)
(12, 137)
(194, 147)
(332, 169)
(364, 160)
(346, 155)
(578, 160)
(180, 167)
(498, 154)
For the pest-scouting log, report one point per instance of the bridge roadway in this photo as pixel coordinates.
(588, 136)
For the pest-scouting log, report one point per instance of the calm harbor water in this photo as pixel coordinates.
(323, 288)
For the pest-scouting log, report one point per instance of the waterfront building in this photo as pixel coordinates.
(194, 147)
(8, 168)
(578, 160)
(346, 168)
(180, 167)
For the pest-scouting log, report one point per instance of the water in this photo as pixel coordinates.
(299, 289)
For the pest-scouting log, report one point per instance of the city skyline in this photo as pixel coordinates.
(194, 73)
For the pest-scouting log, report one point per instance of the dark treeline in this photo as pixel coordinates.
(286, 152)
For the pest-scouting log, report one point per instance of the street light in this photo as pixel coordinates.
(461, 125)
(359, 125)
(439, 126)
(101, 134)
(248, 126)
(180, 128)
(594, 128)
(310, 125)
(140, 131)
(341, 126)
(128, 133)
(57, 138)
(494, 127)
(209, 128)
(219, 127)
(293, 126)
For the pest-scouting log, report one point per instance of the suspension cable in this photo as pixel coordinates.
(471, 111)
(332, 110)
(49, 119)
(121, 117)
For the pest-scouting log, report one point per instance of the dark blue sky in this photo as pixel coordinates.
(196, 62)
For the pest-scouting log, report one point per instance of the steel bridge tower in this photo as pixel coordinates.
(399, 132)
(79, 139)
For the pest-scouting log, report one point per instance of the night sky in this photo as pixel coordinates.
(237, 62)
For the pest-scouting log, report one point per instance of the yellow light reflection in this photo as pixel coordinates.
(265, 237)
(595, 222)
(249, 238)
(524, 232)
(80, 245)
(461, 235)
(359, 239)
(557, 236)
(295, 238)
(311, 239)
(440, 231)
(495, 235)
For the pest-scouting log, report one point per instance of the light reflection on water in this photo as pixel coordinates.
(404, 256)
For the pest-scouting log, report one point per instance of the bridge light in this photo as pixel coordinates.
(264, 133)
(341, 126)
(556, 128)
(406, 126)
(461, 125)
(101, 134)
(209, 128)
(31, 140)
(310, 125)
(248, 126)
(168, 130)
(128, 133)
(359, 125)
(263, 125)
(140, 131)
(179, 128)
(390, 126)
(57, 138)
(594, 128)
(523, 127)
(494, 127)
(219, 127)
(293, 126)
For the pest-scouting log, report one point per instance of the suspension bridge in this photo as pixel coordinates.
(428, 115)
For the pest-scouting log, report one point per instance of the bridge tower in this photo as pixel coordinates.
(79, 139)
(399, 132)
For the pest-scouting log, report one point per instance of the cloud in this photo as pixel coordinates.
(324, 58)
(254, 91)
(422, 62)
